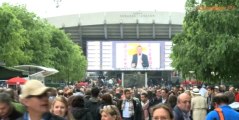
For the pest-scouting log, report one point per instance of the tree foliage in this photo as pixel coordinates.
(209, 42)
(28, 39)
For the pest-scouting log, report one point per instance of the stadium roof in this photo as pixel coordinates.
(141, 17)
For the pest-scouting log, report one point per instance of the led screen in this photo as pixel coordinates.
(129, 55)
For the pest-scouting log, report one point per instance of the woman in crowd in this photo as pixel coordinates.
(110, 112)
(59, 107)
(162, 112)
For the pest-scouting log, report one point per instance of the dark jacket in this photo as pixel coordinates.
(13, 115)
(46, 116)
(81, 114)
(178, 114)
(93, 105)
(145, 62)
(138, 112)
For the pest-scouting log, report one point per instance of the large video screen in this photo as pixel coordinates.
(129, 55)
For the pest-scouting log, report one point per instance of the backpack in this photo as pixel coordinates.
(220, 113)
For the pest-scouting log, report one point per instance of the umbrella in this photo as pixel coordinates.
(16, 81)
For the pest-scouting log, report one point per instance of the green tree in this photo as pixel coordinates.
(209, 41)
(28, 39)
(12, 37)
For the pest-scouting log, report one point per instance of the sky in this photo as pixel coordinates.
(48, 8)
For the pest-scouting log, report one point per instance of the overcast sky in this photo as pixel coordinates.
(47, 8)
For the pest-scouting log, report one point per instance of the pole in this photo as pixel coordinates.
(146, 79)
(122, 78)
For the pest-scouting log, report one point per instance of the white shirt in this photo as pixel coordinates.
(126, 113)
(139, 61)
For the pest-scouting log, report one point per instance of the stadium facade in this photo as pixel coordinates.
(131, 26)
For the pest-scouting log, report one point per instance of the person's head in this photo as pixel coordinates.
(210, 90)
(164, 93)
(232, 89)
(34, 96)
(220, 99)
(231, 97)
(144, 97)
(172, 100)
(59, 106)
(162, 112)
(5, 105)
(107, 98)
(127, 93)
(139, 49)
(77, 101)
(110, 112)
(158, 93)
(184, 102)
(10, 92)
(95, 92)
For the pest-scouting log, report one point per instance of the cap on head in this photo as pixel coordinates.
(33, 87)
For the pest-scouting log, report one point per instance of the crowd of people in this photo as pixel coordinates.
(35, 101)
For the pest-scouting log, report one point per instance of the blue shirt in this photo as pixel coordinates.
(228, 113)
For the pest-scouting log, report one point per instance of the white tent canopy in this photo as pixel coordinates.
(37, 72)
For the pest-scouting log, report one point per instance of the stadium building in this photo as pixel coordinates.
(109, 40)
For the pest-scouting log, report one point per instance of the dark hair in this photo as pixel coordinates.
(165, 89)
(5, 98)
(231, 97)
(95, 92)
(220, 98)
(106, 98)
(210, 87)
(126, 90)
(77, 101)
(172, 100)
(165, 107)
(10, 92)
(145, 95)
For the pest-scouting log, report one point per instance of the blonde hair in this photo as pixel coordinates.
(111, 110)
(62, 99)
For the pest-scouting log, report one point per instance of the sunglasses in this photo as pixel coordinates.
(39, 96)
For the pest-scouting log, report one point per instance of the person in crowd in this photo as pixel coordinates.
(94, 102)
(231, 100)
(59, 107)
(140, 60)
(7, 110)
(145, 105)
(110, 112)
(157, 99)
(222, 111)
(182, 110)
(164, 94)
(129, 108)
(198, 105)
(34, 96)
(78, 110)
(106, 99)
(172, 101)
(19, 107)
(210, 95)
(162, 112)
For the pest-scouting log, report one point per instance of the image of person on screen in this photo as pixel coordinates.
(140, 60)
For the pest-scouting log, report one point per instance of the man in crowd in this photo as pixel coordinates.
(94, 102)
(129, 108)
(222, 110)
(7, 110)
(35, 97)
(145, 105)
(182, 110)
